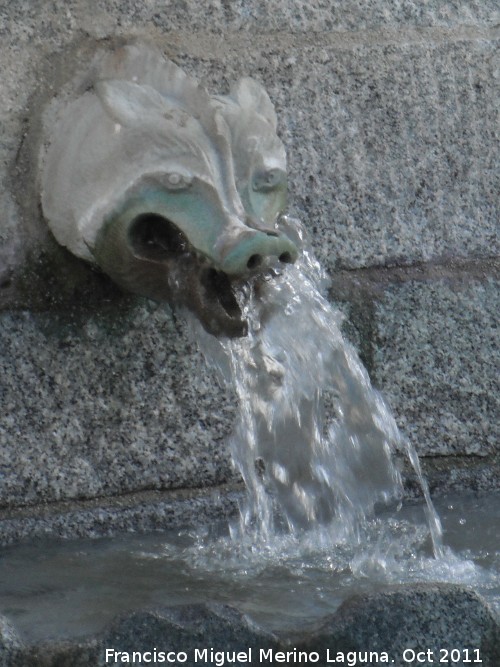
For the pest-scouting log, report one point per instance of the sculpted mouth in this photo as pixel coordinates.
(183, 276)
(223, 314)
(151, 256)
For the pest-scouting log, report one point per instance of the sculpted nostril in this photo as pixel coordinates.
(253, 251)
(254, 261)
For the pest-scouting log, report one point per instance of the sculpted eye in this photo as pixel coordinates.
(266, 180)
(176, 181)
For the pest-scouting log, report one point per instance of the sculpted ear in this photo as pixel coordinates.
(251, 95)
(130, 104)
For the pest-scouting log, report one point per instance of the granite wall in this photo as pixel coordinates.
(389, 111)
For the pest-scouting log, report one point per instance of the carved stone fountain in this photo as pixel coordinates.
(177, 196)
(172, 192)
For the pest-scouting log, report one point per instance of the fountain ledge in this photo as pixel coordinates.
(147, 511)
(144, 511)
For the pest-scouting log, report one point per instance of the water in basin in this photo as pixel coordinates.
(70, 589)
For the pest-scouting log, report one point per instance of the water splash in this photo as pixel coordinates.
(302, 466)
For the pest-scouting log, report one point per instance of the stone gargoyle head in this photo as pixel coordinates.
(172, 192)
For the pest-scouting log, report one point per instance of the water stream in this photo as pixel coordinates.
(314, 441)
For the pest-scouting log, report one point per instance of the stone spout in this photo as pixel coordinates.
(174, 193)
(251, 250)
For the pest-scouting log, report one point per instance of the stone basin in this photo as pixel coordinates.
(190, 592)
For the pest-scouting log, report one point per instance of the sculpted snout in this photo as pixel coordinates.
(247, 251)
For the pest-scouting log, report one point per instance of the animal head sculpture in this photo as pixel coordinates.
(174, 193)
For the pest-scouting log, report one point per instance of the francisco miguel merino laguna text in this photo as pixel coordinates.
(249, 655)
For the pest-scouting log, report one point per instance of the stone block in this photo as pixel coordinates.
(97, 403)
(435, 351)
(420, 617)
(181, 629)
(391, 148)
(10, 644)
(143, 512)
(26, 22)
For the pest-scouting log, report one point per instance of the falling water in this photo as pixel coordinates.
(314, 441)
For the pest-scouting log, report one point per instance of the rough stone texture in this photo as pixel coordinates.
(422, 617)
(389, 111)
(10, 643)
(210, 625)
(144, 512)
(396, 180)
(97, 404)
(26, 21)
(176, 629)
(453, 474)
(419, 617)
(435, 353)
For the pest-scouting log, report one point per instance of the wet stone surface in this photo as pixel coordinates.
(432, 618)
(429, 617)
